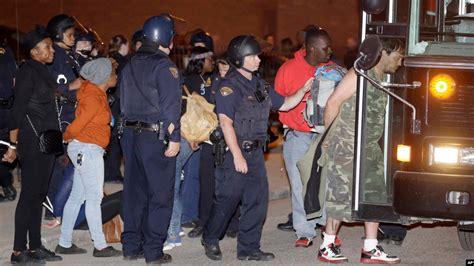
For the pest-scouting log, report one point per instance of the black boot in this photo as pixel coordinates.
(212, 251)
(288, 226)
(9, 192)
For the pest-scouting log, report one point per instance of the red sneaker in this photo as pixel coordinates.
(331, 254)
(378, 256)
(303, 242)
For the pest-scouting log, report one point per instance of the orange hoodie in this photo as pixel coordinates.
(92, 122)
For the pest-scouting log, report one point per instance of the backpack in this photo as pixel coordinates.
(327, 77)
(199, 120)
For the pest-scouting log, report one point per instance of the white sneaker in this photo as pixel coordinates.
(331, 254)
(182, 233)
(171, 245)
(378, 256)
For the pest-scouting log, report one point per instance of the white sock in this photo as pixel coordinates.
(370, 244)
(328, 239)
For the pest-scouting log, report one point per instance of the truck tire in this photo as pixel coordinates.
(466, 239)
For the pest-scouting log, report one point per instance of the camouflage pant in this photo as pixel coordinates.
(339, 173)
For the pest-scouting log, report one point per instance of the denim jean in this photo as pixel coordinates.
(87, 186)
(185, 153)
(294, 148)
(190, 189)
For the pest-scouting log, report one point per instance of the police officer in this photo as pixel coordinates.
(7, 76)
(150, 92)
(65, 72)
(83, 47)
(202, 39)
(243, 103)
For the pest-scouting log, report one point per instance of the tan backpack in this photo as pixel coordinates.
(199, 120)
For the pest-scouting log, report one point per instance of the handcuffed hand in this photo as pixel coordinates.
(9, 156)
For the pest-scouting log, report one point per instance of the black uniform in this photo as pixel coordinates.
(150, 90)
(7, 75)
(237, 100)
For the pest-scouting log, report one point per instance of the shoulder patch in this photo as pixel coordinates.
(226, 91)
(174, 72)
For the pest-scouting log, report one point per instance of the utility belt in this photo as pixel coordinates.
(251, 145)
(139, 126)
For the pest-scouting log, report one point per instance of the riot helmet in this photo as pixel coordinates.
(83, 36)
(58, 24)
(202, 38)
(240, 47)
(159, 30)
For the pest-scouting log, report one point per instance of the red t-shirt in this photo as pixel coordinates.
(291, 76)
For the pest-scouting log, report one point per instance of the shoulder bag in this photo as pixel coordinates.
(50, 141)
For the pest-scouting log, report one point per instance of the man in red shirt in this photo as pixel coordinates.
(298, 135)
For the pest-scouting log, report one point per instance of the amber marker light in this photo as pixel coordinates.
(442, 86)
(403, 153)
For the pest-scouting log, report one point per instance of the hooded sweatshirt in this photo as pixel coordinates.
(291, 77)
(93, 116)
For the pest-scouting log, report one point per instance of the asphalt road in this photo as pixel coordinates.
(424, 245)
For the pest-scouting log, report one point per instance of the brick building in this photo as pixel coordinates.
(222, 18)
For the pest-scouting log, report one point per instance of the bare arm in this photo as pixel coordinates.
(346, 88)
(293, 100)
(230, 137)
(76, 84)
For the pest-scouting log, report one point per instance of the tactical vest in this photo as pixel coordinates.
(138, 85)
(251, 117)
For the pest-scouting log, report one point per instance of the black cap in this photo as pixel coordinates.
(35, 36)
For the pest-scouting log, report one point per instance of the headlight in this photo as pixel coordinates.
(452, 155)
(442, 86)
(447, 155)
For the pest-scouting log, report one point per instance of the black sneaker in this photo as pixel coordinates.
(43, 253)
(106, 252)
(24, 259)
(165, 259)
(196, 232)
(212, 251)
(258, 256)
(71, 250)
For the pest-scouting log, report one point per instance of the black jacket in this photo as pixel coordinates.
(34, 95)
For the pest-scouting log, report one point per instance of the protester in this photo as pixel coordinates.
(298, 134)
(88, 135)
(35, 110)
(338, 156)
